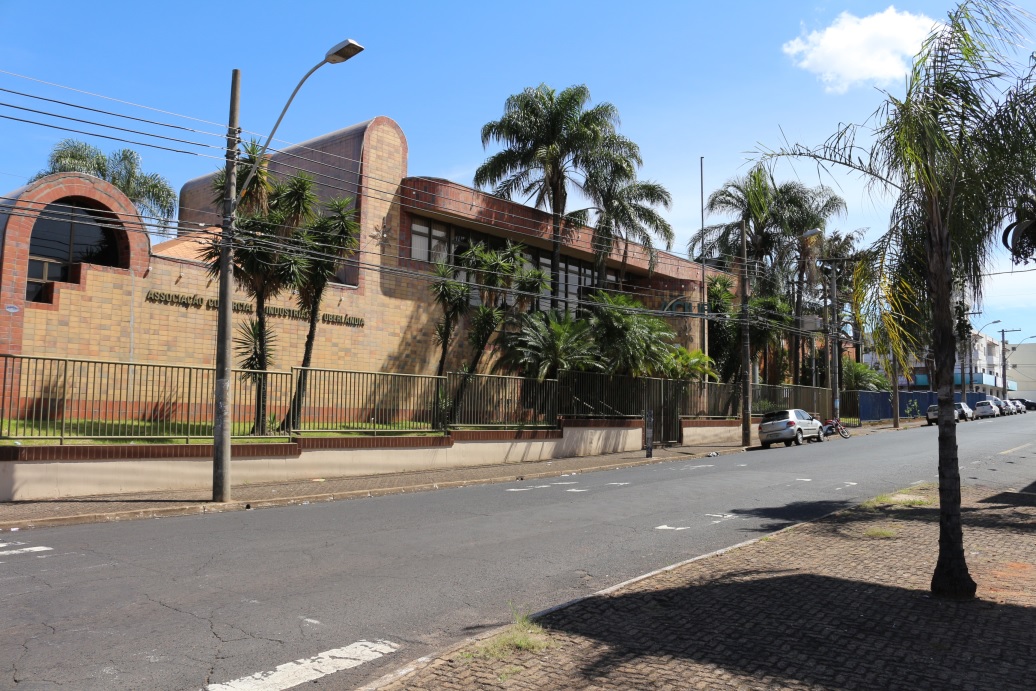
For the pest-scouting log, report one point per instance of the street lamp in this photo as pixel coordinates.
(223, 418)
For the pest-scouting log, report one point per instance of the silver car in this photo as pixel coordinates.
(986, 409)
(789, 426)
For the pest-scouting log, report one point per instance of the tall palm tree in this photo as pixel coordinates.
(807, 211)
(150, 192)
(625, 210)
(265, 262)
(551, 139)
(324, 243)
(957, 149)
(764, 206)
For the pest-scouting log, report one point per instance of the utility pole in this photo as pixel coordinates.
(895, 392)
(746, 347)
(701, 288)
(835, 342)
(1003, 358)
(221, 450)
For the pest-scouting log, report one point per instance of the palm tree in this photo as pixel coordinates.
(807, 211)
(265, 262)
(324, 242)
(857, 376)
(631, 342)
(626, 210)
(957, 150)
(550, 141)
(452, 297)
(764, 206)
(149, 192)
(544, 343)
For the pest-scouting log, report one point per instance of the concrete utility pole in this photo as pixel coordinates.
(1003, 359)
(835, 341)
(221, 450)
(703, 295)
(746, 347)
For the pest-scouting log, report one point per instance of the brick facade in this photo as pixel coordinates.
(105, 312)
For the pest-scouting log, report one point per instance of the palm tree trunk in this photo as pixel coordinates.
(555, 260)
(447, 335)
(795, 338)
(259, 422)
(625, 256)
(298, 399)
(951, 577)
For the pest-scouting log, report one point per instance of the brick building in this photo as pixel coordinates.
(80, 278)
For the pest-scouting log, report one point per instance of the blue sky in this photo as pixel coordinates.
(717, 80)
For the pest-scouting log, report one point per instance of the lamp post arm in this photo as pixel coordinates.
(259, 159)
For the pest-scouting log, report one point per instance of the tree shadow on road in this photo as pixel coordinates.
(813, 630)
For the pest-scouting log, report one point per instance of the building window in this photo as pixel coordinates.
(66, 233)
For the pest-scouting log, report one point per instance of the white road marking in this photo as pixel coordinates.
(23, 551)
(850, 484)
(293, 674)
(1004, 453)
(695, 467)
(310, 621)
(8, 544)
(803, 479)
(669, 527)
(576, 490)
(541, 486)
(564, 483)
(520, 489)
(618, 484)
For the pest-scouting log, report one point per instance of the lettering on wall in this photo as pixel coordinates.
(159, 297)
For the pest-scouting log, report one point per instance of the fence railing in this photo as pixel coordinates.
(344, 401)
(481, 400)
(61, 398)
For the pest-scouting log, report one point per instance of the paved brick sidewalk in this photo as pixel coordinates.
(837, 604)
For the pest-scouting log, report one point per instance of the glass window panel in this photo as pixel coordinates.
(57, 272)
(34, 292)
(440, 245)
(419, 247)
(37, 269)
(419, 239)
(348, 273)
(51, 238)
(94, 245)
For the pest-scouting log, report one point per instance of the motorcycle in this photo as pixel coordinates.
(832, 427)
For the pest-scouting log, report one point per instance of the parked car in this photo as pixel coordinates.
(964, 412)
(986, 409)
(1000, 405)
(1029, 405)
(932, 414)
(1019, 407)
(789, 426)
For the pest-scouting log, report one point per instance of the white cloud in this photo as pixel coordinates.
(876, 49)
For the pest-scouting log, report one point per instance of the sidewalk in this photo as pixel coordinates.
(120, 507)
(840, 603)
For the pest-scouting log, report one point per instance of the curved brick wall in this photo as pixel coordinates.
(27, 202)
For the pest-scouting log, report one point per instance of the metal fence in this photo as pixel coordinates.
(60, 398)
(342, 401)
(481, 400)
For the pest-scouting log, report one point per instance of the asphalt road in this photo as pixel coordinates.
(181, 603)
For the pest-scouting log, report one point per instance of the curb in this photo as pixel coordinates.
(242, 505)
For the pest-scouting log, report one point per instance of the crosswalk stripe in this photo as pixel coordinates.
(23, 551)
